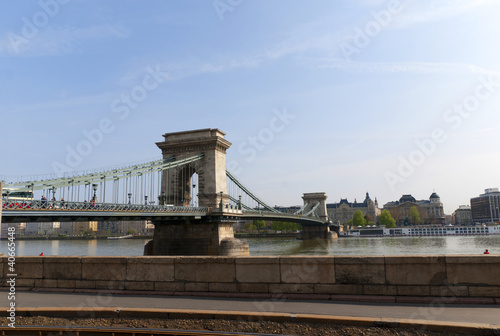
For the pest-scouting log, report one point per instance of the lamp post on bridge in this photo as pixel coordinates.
(162, 198)
(145, 199)
(94, 198)
(192, 196)
(53, 193)
(32, 191)
(129, 197)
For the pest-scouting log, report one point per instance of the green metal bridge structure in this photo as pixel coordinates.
(188, 194)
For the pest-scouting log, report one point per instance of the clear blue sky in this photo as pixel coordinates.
(345, 97)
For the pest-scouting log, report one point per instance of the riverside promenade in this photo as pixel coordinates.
(412, 291)
(478, 319)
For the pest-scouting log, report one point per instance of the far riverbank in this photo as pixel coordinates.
(265, 235)
(236, 235)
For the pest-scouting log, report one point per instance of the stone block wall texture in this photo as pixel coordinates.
(437, 276)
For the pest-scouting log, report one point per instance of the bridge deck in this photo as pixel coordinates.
(47, 211)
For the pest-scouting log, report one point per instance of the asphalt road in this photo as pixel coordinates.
(489, 314)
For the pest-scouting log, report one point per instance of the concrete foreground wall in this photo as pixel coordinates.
(439, 276)
(1, 204)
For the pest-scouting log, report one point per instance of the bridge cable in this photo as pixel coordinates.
(312, 210)
(301, 209)
(88, 179)
(255, 198)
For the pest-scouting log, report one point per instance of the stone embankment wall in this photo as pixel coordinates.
(436, 276)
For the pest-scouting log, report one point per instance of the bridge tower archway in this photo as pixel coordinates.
(317, 202)
(211, 169)
(311, 201)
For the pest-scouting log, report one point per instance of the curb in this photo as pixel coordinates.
(441, 326)
(266, 296)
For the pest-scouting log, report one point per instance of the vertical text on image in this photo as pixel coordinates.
(11, 276)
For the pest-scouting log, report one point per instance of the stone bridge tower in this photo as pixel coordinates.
(211, 170)
(311, 199)
(210, 234)
(321, 231)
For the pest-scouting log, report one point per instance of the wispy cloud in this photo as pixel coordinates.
(174, 71)
(57, 40)
(304, 41)
(77, 101)
(418, 12)
(394, 67)
(490, 132)
(322, 37)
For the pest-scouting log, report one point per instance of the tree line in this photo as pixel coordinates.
(261, 225)
(358, 219)
(385, 219)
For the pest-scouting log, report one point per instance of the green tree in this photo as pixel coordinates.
(249, 227)
(387, 220)
(277, 226)
(369, 220)
(415, 216)
(291, 226)
(358, 219)
(285, 226)
(259, 224)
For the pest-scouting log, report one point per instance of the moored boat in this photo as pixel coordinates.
(121, 237)
(422, 231)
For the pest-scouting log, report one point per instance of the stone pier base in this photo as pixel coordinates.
(185, 238)
(317, 232)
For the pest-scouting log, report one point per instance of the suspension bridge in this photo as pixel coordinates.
(187, 193)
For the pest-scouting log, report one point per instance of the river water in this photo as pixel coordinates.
(441, 245)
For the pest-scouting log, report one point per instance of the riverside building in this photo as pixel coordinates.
(431, 211)
(342, 212)
(463, 216)
(486, 207)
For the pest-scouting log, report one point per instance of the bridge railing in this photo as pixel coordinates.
(90, 206)
(289, 214)
(46, 205)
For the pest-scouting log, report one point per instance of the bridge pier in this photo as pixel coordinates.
(187, 237)
(317, 232)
